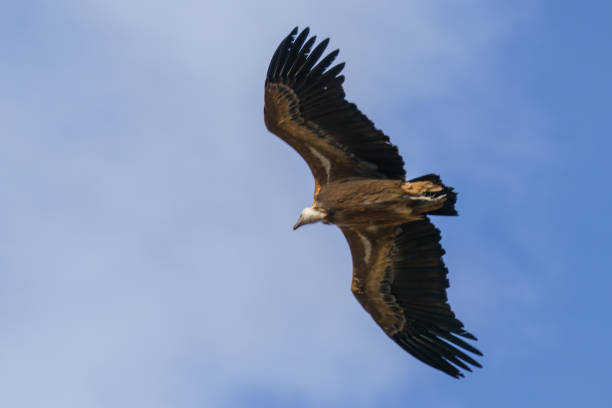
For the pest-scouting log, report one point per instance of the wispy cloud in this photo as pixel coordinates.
(150, 260)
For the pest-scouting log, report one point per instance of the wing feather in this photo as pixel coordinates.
(402, 284)
(305, 106)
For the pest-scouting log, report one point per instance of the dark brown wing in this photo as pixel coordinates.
(400, 279)
(305, 106)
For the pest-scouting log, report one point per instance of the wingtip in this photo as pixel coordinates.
(469, 335)
(305, 32)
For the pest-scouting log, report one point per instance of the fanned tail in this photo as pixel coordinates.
(448, 208)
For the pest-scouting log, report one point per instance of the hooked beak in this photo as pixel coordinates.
(298, 224)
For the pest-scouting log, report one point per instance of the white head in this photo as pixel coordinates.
(308, 216)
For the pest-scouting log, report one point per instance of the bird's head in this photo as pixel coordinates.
(308, 216)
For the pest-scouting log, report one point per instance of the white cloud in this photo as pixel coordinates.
(143, 276)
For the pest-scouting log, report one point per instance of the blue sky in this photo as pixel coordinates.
(146, 251)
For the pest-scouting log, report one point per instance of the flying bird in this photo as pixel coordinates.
(399, 276)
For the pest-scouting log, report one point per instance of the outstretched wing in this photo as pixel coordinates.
(400, 279)
(305, 106)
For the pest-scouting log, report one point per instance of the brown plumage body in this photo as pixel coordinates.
(372, 202)
(399, 276)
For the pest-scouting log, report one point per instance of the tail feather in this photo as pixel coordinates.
(451, 197)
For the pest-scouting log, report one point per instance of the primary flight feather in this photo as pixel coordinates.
(398, 273)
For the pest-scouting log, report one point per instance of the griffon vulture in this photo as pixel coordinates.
(399, 276)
